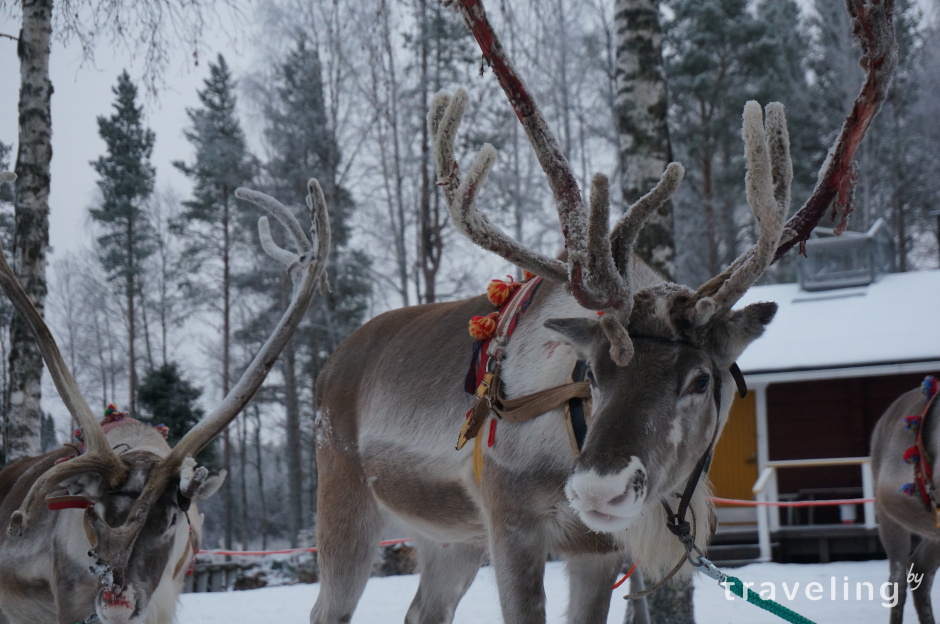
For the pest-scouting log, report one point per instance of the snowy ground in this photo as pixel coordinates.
(833, 599)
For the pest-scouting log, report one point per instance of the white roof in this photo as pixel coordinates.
(891, 321)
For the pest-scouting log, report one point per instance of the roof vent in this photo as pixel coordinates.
(852, 259)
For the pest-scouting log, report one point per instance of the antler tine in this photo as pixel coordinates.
(98, 457)
(768, 179)
(604, 280)
(592, 291)
(444, 119)
(873, 30)
(625, 232)
(307, 268)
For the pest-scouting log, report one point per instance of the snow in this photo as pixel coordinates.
(387, 599)
(886, 322)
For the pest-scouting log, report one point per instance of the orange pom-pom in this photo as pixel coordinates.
(527, 275)
(483, 327)
(499, 292)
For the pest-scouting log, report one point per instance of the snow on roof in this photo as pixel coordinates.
(893, 320)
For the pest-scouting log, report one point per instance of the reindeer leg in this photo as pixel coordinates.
(518, 545)
(590, 578)
(349, 528)
(446, 573)
(926, 559)
(897, 543)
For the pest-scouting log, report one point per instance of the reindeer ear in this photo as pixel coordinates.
(580, 333)
(198, 483)
(729, 335)
(211, 485)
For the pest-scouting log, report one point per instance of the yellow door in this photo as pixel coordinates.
(734, 466)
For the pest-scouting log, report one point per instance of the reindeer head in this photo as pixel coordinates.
(139, 492)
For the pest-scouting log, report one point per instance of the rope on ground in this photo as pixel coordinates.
(736, 586)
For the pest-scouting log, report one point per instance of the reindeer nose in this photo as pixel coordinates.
(608, 502)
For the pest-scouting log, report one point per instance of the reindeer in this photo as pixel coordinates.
(905, 496)
(659, 359)
(121, 524)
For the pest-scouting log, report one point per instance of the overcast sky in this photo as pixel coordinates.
(82, 93)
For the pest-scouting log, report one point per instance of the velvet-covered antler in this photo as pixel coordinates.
(873, 30)
(595, 274)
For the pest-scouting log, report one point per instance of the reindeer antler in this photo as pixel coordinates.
(873, 30)
(98, 457)
(768, 179)
(595, 274)
(307, 267)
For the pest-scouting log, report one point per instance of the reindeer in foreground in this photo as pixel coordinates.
(121, 525)
(658, 358)
(905, 446)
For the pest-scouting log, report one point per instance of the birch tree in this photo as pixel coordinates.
(31, 237)
(640, 110)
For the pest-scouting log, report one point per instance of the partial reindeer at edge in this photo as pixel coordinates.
(659, 360)
(121, 525)
(906, 441)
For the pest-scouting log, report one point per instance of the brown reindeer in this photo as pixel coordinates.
(906, 499)
(115, 541)
(659, 360)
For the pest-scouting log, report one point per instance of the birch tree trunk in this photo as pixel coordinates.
(31, 236)
(640, 108)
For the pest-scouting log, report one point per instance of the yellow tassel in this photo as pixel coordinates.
(478, 459)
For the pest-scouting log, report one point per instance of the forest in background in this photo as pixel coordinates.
(175, 276)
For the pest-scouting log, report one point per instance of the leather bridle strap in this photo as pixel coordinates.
(533, 405)
(675, 521)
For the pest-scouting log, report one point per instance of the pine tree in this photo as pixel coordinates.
(303, 145)
(167, 398)
(213, 222)
(126, 182)
(722, 54)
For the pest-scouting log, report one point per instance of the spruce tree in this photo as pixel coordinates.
(721, 53)
(210, 222)
(126, 182)
(303, 145)
(167, 398)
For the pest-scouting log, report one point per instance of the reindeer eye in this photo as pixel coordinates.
(699, 385)
(590, 377)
